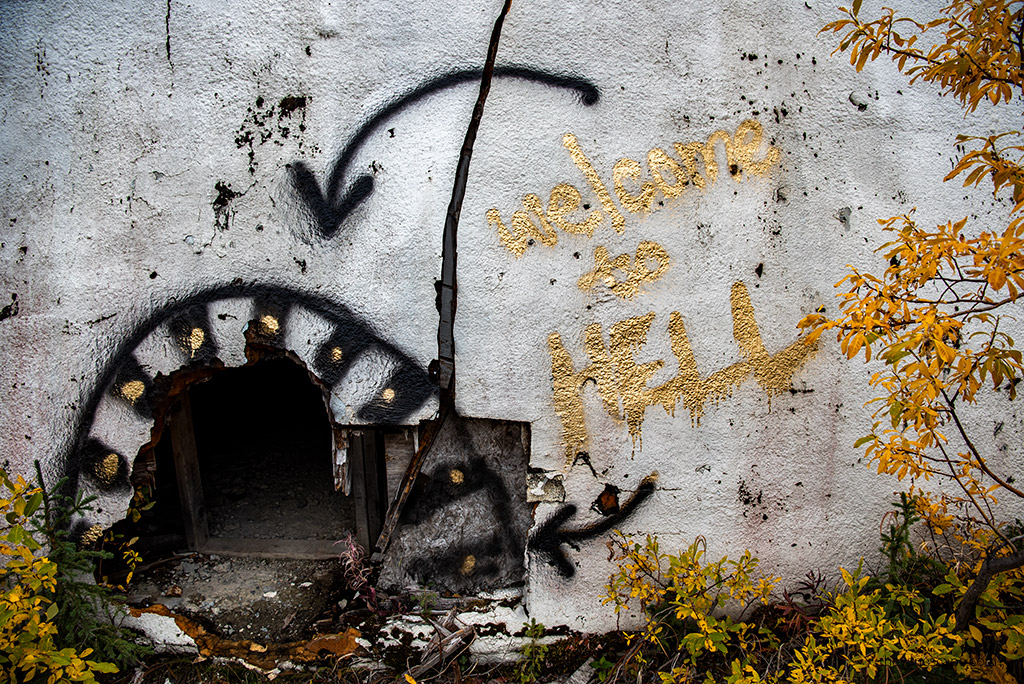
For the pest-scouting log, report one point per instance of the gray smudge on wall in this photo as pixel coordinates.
(464, 528)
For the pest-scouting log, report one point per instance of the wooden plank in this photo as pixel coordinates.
(376, 485)
(301, 549)
(369, 483)
(356, 447)
(394, 511)
(339, 461)
(399, 448)
(186, 468)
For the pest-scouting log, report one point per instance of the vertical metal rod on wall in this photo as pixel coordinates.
(447, 290)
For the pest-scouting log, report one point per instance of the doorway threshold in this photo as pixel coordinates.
(297, 549)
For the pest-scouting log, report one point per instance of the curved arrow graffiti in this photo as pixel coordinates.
(331, 205)
(547, 541)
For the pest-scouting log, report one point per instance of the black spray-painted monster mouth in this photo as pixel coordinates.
(196, 329)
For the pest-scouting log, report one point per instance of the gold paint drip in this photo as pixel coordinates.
(388, 395)
(620, 378)
(468, 565)
(456, 476)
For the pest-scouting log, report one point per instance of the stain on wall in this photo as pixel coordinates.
(465, 525)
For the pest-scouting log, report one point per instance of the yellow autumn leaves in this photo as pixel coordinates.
(28, 581)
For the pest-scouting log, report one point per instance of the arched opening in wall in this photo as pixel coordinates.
(247, 480)
(247, 465)
(264, 449)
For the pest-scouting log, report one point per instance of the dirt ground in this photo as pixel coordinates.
(245, 598)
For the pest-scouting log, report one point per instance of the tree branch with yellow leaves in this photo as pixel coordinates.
(933, 316)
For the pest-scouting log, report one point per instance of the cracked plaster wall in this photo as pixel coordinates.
(177, 167)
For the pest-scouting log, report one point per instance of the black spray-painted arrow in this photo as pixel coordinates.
(332, 204)
(549, 538)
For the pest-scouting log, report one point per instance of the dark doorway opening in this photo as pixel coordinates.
(245, 518)
(264, 447)
(246, 465)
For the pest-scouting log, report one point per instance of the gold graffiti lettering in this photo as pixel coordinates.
(565, 199)
(627, 338)
(636, 192)
(711, 158)
(740, 153)
(619, 377)
(630, 169)
(568, 382)
(688, 385)
(523, 230)
(688, 154)
(584, 165)
(636, 272)
(772, 373)
(747, 144)
(659, 161)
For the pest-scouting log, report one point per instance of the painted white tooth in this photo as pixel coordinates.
(305, 332)
(119, 427)
(361, 385)
(228, 318)
(160, 352)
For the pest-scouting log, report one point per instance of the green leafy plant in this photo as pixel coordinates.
(602, 668)
(907, 565)
(89, 614)
(425, 602)
(534, 653)
(32, 647)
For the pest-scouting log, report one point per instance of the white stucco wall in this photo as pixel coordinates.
(122, 122)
